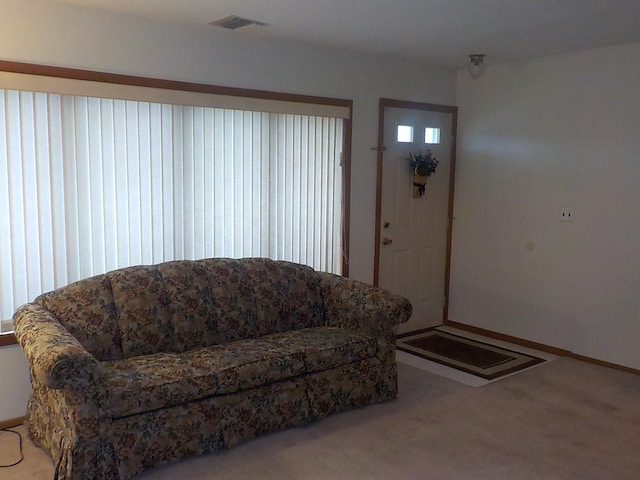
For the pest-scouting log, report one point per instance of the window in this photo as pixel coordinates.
(93, 184)
(405, 134)
(432, 135)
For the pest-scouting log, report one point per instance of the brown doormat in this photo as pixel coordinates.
(470, 356)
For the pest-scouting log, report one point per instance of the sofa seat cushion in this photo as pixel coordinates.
(145, 383)
(246, 364)
(150, 382)
(324, 348)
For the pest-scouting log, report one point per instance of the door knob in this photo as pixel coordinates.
(387, 241)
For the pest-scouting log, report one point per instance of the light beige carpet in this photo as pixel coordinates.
(562, 420)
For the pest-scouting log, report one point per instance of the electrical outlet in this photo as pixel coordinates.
(566, 214)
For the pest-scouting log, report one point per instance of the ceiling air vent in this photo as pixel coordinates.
(233, 22)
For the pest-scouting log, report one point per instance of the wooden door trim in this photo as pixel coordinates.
(432, 107)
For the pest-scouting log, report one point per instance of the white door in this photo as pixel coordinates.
(413, 237)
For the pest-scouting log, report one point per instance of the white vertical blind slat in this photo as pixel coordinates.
(188, 200)
(120, 223)
(57, 175)
(145, 172)
(219, 206)
(199, 162)
(16, 197)
(156, 229)
(94, 210)
(30, 198)
(265, 186)
(43, 199)
(6, 237)
(166, 221)
(109, 187)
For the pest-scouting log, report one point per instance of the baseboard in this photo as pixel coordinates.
(12, 422)
(7, 339)
(602, 363)
(538, 346)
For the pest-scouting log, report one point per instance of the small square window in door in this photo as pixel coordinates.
(404, 134)
(432, 135)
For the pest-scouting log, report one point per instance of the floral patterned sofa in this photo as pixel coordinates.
(149, 364)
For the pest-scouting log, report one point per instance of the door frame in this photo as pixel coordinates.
(431, 107)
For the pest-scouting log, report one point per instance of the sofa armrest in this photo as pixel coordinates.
(56, 358)
(362, 307)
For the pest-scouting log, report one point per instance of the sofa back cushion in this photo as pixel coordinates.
(287, 295)
(191, 304)
(144, 315)
(210, 300)
(235, 305)
(87, 310)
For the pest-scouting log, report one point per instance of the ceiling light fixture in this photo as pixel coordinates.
(476, 65)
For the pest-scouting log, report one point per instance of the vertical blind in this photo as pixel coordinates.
(91, 184)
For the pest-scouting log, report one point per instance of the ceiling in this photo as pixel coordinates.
(436, 32)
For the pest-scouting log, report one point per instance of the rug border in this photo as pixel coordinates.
(532, 362)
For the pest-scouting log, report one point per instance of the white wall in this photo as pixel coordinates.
(535, 137)
(57, 34)
(14, 379)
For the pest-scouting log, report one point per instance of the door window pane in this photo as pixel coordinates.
(432, 135)
(405, 134)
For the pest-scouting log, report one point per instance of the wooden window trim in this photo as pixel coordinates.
(131, 80)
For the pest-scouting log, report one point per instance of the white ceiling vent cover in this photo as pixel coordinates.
(233, 22)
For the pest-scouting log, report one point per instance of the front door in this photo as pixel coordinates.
(414, 231)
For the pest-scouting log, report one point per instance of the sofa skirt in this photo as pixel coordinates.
(147, 440)
(120, 448)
